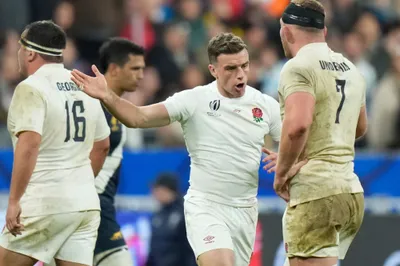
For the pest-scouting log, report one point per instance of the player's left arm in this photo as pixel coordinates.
(25, 157)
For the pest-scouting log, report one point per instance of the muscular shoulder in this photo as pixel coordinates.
(32, 83)
(298, 65)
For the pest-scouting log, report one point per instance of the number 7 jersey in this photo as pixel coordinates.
(339, 92)
(69, 122)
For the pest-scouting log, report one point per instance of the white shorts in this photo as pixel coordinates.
(66, 236)
(114, 257)
(212, 225)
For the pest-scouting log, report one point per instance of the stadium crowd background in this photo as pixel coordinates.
(175, 35)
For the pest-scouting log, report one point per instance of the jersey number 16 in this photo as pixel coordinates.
(79, 121)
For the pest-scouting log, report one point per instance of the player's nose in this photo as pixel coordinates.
(241, 74)
(140, 74)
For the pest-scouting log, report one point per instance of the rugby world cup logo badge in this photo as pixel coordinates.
(214, 107)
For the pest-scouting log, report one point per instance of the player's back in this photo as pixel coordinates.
(339, 91)
(68, 130)
(70, 123)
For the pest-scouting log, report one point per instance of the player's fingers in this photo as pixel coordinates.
(11, 227)
(302, 163)
(265, 150)
(96, 70)
(80, 74)
(296, 168)
(270, 157)
(270, 165)
(78, 83)
(8, 225)
(77, 79)
(285, 196)
(272, 170)
(18, 230)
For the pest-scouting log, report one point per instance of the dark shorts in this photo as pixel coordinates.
(109, 232)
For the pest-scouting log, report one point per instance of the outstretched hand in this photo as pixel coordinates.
(95, 87)
(271, 158)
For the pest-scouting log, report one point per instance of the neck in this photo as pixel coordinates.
(34, 66)
(306, 41)
(113, 85)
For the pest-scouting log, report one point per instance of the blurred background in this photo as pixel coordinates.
(175, 35)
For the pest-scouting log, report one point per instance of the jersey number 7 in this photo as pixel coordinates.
(340, 84)
(79, 121)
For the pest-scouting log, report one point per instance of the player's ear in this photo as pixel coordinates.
(325, 31)
(31, 56)
(288, 34)
(212, 70)
(113, 69)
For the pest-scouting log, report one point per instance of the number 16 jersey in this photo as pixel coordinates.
(69, 122)
(339, 92)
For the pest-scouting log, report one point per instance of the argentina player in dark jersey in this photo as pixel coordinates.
(123, 63)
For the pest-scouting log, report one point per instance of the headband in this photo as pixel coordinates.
(303, 16)
(39, 48)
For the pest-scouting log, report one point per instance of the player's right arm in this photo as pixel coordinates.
(155, 115)
(177, 108)
(130, 115)
(27, 114)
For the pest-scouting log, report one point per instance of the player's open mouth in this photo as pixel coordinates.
(240, 86)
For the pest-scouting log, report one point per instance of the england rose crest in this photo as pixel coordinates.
(257, 114)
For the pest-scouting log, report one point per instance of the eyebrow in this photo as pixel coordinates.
(235, 66)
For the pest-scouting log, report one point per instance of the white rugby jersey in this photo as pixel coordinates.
(224, 137)
(69, 121)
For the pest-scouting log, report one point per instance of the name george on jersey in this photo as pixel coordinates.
(67, 86)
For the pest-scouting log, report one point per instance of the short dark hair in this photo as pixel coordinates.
(224, 43)
(311, 4)
(117, 51)
(48, 34)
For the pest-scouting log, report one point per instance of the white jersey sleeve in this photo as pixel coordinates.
(275, 125)
(181, 105)
(27, 109)
(102, 127)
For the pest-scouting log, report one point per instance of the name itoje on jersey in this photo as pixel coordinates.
(67, 86)
(334, 66)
